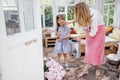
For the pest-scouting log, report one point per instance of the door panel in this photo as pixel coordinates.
(21, 53)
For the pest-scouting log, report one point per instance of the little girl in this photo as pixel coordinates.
(62, 45)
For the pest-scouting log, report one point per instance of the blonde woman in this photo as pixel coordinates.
(95, 36)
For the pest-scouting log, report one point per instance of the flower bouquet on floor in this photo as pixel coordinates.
(54, 70)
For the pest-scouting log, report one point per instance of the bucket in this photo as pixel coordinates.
(75, 48)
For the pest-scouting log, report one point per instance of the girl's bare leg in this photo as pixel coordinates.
(59, 57)
(66, 61)
(65, 58)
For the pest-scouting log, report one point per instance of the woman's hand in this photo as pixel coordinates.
(70, 21)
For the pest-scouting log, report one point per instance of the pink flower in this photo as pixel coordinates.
(58, 78)
(50, 62)
(56, 71)
(50, 75)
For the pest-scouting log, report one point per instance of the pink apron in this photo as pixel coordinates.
(95, 47)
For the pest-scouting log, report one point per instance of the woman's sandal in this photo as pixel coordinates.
(97, 73)
(82, 73)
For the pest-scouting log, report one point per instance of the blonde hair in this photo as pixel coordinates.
(82, 13)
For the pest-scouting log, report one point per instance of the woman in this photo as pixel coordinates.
(95, 36)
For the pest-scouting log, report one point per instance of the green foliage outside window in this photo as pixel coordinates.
(109, 12)
(48, 17)
(70, 14)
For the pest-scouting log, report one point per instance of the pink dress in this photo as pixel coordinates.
(95, 47)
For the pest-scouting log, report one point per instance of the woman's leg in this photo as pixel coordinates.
(97, 72)
(85, 71)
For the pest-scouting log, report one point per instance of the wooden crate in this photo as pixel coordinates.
(49, 41)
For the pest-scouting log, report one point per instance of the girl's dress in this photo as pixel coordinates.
(63, 46)
(95, 45)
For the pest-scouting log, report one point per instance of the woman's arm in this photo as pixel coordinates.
(69, 22)
(85, 35)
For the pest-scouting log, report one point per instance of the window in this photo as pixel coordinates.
(48, 13)
(11, 14)
(12, 19)
(109, 8)
(90, 3)
(61, 9)
(70, 13)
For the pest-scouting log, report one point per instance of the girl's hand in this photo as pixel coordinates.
(60, 39)
(59, 33)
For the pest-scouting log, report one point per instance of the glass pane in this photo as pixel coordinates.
(11, 16)
(64, 16)
(66, 1)
(105, 19)
(48, 17)
(105, 9)
(111, 15)
(91, 3)
(70, 14)
(62, 1)
(109, 1)
(61, 9)
(28, 14)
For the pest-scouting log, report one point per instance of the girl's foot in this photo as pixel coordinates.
(67, 67)
(82, 74)
(97, 73)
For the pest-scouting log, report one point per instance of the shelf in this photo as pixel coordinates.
(49, 42)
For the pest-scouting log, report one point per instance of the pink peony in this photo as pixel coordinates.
(58, 78)
(56, 71)
(50, 62)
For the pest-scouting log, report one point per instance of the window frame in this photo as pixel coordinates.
(108, 13)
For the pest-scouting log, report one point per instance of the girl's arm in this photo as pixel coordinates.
(57, 35)
(66, 37)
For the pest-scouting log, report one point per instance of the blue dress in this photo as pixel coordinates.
(63, 46)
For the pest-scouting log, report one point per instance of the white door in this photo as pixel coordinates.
(21, 55)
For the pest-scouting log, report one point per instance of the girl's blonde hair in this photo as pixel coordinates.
(82, 13)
